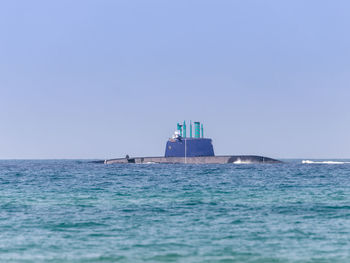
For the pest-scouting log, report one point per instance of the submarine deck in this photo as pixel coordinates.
(197, 160)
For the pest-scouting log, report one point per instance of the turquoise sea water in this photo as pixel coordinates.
(77, 211)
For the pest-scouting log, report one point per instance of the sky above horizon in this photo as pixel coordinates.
(102, 79)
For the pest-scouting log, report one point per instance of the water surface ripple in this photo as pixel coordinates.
(78, 211)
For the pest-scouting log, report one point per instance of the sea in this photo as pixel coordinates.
(81, 211)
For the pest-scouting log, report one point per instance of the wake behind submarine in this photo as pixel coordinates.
(192, 150)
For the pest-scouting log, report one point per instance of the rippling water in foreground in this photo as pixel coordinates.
(76, 211)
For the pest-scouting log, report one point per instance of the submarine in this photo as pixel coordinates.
(192, 150)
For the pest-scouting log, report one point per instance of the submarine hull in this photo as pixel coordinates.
(235, 159)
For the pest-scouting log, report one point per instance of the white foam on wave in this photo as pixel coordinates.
(239, 161)
(322, 162)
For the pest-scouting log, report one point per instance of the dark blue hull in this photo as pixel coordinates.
(234, 159)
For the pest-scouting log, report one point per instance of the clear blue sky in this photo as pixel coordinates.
(100, 79)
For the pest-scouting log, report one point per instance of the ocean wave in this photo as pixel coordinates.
(322, 162)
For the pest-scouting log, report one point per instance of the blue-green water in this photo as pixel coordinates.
(76, 211)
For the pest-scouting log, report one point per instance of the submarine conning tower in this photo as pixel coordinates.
(182, 146)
